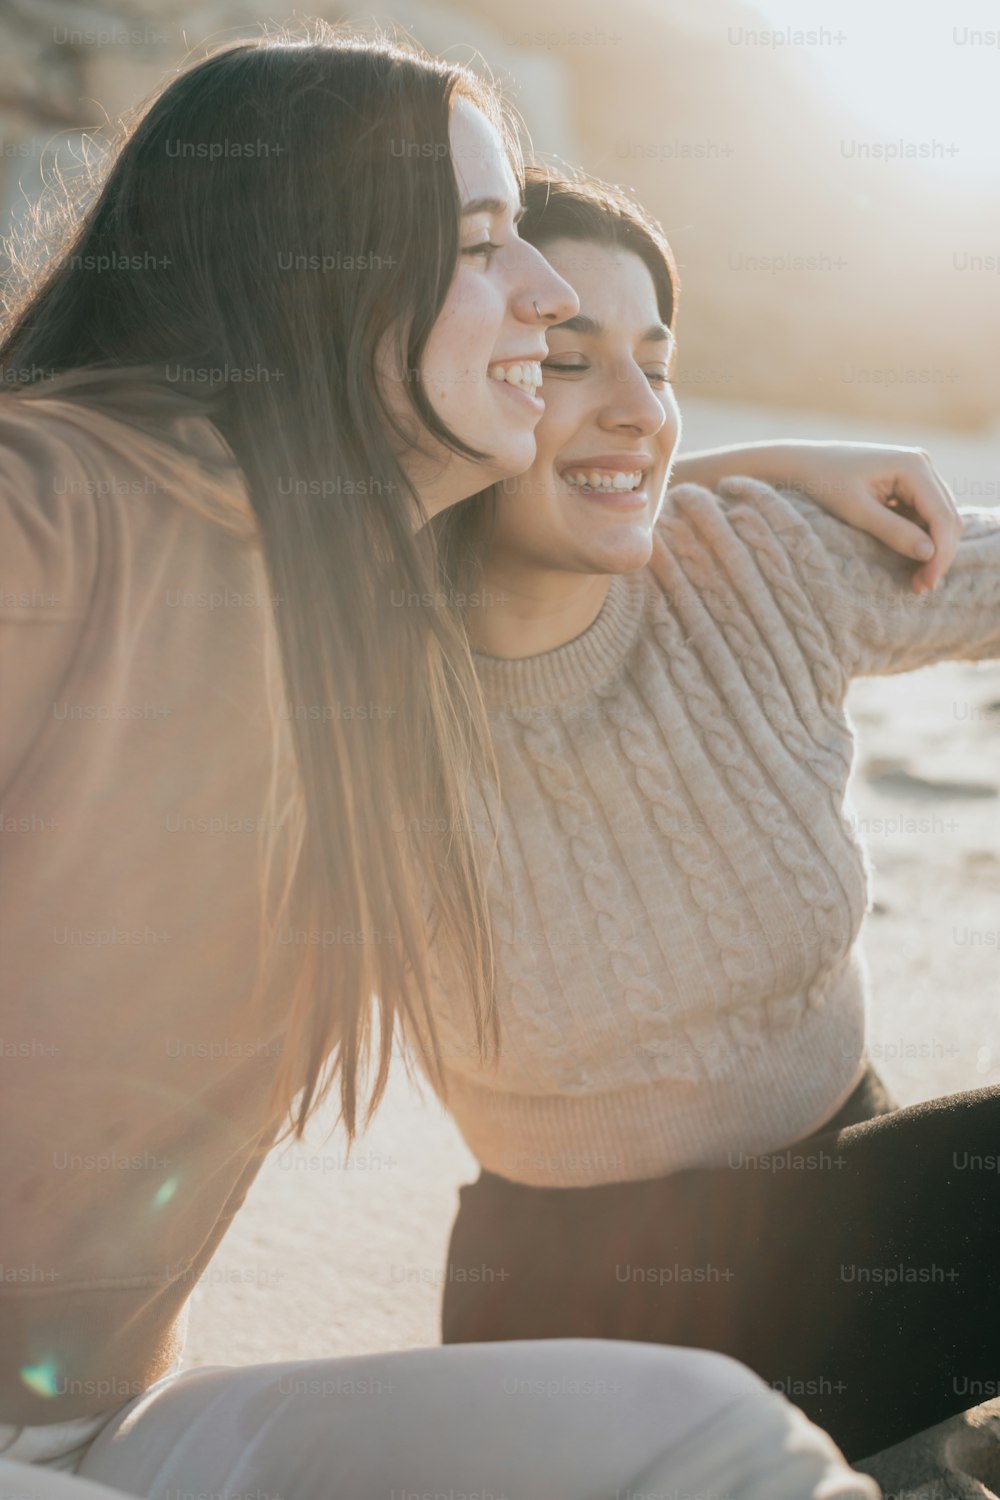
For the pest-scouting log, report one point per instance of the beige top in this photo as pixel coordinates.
(679, 971)
(136, 641)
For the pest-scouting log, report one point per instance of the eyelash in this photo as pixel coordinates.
(663, 379)
(485, 249)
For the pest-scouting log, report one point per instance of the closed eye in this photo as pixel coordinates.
(486, 248)
(657, 378)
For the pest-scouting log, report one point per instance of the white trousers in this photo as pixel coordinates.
(564, 1419)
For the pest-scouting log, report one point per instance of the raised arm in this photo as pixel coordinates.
(861, 590)
(894, 494)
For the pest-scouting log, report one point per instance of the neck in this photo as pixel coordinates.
(528, 611)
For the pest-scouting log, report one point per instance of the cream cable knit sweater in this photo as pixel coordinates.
(680, 888)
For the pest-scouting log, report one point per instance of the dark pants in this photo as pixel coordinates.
(857, 1271)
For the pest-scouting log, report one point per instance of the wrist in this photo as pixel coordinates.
(780, 463)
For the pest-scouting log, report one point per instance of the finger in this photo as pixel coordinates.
(903, 532)
(928, 497)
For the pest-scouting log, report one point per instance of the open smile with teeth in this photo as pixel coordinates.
(596, 481)
(525, 375)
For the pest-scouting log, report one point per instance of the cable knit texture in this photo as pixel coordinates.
(679, 888)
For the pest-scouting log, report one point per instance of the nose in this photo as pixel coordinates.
(633, 404)
(542, 296)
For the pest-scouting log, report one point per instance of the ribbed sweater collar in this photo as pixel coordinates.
(582, 664)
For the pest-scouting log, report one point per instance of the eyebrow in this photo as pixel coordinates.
(496, 206)
(593, 328)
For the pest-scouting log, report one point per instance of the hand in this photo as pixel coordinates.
(896, 494)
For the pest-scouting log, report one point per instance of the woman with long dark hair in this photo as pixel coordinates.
(682, 1135)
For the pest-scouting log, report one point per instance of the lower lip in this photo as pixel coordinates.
(530, 403)
(612, 499)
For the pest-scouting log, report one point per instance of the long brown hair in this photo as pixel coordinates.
(199, 256)
(560, 203)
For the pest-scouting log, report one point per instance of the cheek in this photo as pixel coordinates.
(463, 336)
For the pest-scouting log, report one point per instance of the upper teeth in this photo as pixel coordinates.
(620, 480)
(527, 375)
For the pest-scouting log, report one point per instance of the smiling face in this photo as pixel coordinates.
(480, 367)
(611, 426)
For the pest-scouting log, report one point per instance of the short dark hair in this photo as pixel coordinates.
(565, 205)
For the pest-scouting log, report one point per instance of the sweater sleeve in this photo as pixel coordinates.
(48, 547)
(862, 588)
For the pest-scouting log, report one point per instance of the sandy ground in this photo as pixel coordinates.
(331, 1256)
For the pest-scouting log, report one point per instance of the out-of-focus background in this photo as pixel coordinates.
(828, 173)
(829, 177)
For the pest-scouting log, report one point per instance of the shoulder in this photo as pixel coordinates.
(48, 527)
(73, 472)
(757, 537)
(734, 510)
(748, 547)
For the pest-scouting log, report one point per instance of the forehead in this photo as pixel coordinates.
(614, 284)
(482, 167)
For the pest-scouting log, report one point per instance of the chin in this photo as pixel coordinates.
(511, 454)
(516, 458)
(620, 554)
